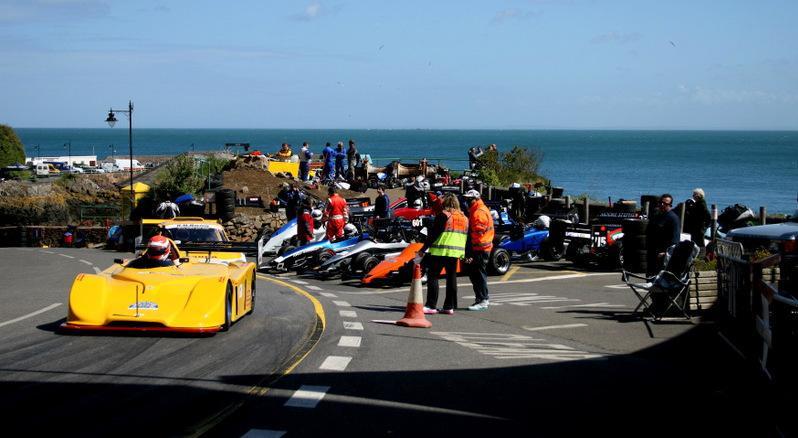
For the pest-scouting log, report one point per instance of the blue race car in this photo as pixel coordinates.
(522, 244)
(313, 254)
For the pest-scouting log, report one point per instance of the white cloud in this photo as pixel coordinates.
(315, 10)
(616, 38)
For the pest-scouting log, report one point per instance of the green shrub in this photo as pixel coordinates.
(11, 149)
(519, 165)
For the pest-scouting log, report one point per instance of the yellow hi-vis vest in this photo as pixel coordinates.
(452, 242)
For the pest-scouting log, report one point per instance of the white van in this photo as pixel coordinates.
(41, 170)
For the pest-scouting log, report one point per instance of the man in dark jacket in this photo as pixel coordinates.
(696, 217)
(663, 231)
(382, 205)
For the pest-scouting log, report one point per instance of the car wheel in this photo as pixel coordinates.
(284, 249)
(551, 251)
(228, 308)
(325, 255)
(252, 293)
(370, 263)
(357, 263)
(499, 262)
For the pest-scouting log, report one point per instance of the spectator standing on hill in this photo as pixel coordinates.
(351, 160)
(662, 232)
(305, 155)
(480, 244)
(445, 246)
(697, 218)
(295, 197)
(167, 209)
(329, 161)
(339, 161)
(382, 205)
(284, 154)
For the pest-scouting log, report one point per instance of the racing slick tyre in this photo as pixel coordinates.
(370, 263)
(357, 262)
(551, 251)
(345, 269)
(228, 308)
(324, 256)
(499, 262)
(252, 293)
(284, 249)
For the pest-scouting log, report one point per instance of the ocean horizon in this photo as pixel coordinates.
(751, 167)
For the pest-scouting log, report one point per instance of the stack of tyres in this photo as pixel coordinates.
(226, 204)
(634, 250)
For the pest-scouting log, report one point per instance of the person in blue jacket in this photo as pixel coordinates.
(329, 161)
(340, 155)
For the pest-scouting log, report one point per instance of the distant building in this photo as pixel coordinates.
(74, 160)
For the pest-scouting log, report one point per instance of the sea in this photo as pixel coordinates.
(753, 168)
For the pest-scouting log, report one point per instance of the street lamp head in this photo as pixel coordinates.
(111, 120)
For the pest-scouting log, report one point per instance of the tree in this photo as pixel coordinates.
(11, 149)
(179, 176)
(519, 165)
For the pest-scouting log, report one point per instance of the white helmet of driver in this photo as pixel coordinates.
(418, 203)
(542, 222)
(316, 214)
(350, 230)
(495, 215)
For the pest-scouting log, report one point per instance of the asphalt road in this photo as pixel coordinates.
(111, 385)
(559, 353)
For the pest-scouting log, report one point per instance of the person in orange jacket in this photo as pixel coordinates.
(480, 237)
(336, 213)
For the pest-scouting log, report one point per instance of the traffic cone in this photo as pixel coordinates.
(414, 315)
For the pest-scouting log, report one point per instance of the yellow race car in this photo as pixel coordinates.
(181, 294)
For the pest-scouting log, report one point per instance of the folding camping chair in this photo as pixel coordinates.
(670, 289)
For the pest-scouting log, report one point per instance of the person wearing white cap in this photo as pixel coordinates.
(478, 248)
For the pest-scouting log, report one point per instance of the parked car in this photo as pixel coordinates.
(777, 238)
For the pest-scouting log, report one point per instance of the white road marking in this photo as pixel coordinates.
(298, 281)
(524, 298)
(552, 327)
(47, 252)
(353, 325)
(96, 269)
(67, 256)
(50, 307)
(348, 313)
(601, 305)
(86, 262)
(263, 433)
(328, 295)
(616, 286)
(311, 287)
(349, 341)
(307, 396)
(510, 346)
(335, 363)
(342, 304)
(524, 280)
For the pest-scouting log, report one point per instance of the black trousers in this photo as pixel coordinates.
(478, 274)
(435, 265)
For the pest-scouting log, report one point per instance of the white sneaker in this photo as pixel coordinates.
(482, 305)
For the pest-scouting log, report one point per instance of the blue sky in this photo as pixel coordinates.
(410, 64)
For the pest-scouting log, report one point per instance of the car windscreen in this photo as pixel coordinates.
(186, 234)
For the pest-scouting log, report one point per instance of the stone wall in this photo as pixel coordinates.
(247, 228)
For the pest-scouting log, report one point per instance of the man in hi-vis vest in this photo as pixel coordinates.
(444, 248)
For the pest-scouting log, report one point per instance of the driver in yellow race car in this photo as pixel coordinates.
(160, 252)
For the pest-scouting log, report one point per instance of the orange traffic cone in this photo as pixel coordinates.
(414, 315)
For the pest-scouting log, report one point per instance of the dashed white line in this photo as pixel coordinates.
(96, 270)
(335, 363)
(67, 256)
(552, 327)
(342, 304)
(307, 396)
(47, 252)
(311, 287)
(263, 433)
(328, 295)
(50, 307)
(298, 281)
(348, 313)
(86, 262)
(353, 325)
(349, 341)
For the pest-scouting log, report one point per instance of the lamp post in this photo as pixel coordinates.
(111, 120)
(68, 146)
(113, 149)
